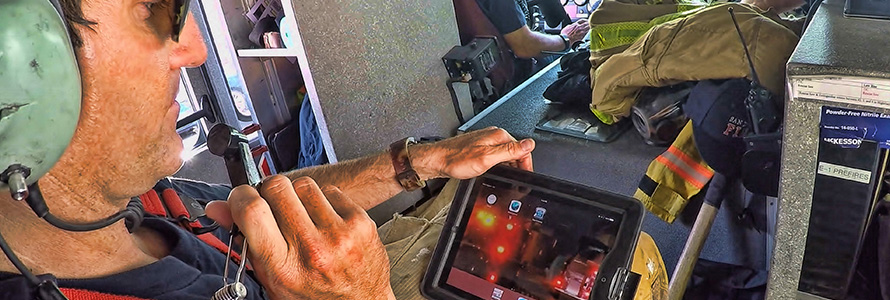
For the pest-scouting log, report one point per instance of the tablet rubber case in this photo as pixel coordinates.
(613, 282)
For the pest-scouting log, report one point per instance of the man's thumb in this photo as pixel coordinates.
(515, 150)
(527, 145)
(219, 211)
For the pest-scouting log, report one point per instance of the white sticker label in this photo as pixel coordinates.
(842, 172)
(856, 90)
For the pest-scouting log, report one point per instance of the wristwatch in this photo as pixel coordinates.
(566, 41)
(401, 162)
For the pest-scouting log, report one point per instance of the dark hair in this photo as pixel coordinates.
(74, 16)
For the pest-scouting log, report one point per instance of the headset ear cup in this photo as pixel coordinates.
(58, 6)
(40, 84)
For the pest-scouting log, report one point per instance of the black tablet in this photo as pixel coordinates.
(514, 235)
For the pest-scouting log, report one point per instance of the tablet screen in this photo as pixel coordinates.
(521, 243)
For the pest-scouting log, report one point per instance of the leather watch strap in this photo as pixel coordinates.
(401, 162)
(566, 41)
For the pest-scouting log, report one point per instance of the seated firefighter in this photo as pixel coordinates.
(521, 48)
(310, 235)
(510, 20)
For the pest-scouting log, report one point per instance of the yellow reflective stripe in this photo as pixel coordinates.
(603, 117)
(607, 36)
(682, 12)
(685, 7)
(612, 35)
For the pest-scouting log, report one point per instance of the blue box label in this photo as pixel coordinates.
(848, 127)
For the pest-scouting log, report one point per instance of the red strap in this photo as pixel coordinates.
(75, 294)
(214, 242)
(170, 199)
(177, 209)
(152, 203)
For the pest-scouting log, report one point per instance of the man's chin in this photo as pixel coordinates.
(173, 160)
(169, 168)
(181, 164)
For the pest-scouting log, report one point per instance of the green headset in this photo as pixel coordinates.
(41, 88)
(39, 103)
(41, 91)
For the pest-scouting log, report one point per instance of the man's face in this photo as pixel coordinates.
(126, 138)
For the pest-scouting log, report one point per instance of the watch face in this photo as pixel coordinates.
(580, 2)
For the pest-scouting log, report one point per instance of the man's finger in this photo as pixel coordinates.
(343, 205)
(318, 207)
(512, 151)
(219, 212)
(255, 220)
(496, 136)
(287, 208)
(525, 163)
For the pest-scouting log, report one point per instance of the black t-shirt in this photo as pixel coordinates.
(504, 14)
(193, 270)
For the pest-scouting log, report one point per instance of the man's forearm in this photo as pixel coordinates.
(550, 42)
(371, 180)
(526, 43)
(368, 180)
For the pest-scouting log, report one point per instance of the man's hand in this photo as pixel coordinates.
(576, 31)
(308, 243)
(469, 155)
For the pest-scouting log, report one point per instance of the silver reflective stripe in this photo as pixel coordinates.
(685, 167)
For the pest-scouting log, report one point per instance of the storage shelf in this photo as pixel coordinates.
(277, 52)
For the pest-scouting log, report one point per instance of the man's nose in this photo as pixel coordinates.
(191, 51)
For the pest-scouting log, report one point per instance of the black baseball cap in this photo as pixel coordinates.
(720, 121)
